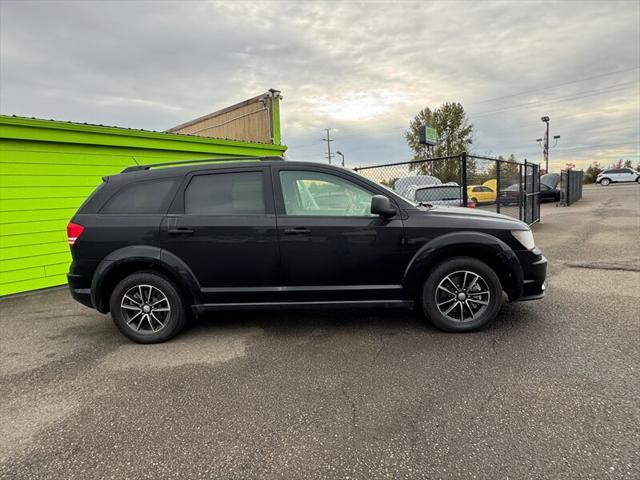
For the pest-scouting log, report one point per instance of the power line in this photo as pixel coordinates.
(554, 86)
(564, 98)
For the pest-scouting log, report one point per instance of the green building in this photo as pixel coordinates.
(47, 169)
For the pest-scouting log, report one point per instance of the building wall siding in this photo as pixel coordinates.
(48, 168)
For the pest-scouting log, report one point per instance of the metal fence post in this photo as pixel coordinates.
(520, 190)
(463, 166)
(526, 191)
(498, 186)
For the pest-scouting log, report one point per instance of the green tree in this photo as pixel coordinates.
(627, 164)
(592, 172)
(454, 136)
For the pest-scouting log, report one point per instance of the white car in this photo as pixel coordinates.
(617, 175)
(406, 186)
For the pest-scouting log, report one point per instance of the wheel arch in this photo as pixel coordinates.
(484, 247)
(125, 261)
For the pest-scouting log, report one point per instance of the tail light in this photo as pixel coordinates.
(74, 231)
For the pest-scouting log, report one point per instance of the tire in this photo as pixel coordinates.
(474, 200)
(150, 292)
(604, 182)
(479, 278)
(637, 179)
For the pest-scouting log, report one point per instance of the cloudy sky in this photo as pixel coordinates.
(362, 69)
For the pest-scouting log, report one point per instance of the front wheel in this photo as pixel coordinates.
(461, 294)
(638, 179)
(604, 182)
(147, 308)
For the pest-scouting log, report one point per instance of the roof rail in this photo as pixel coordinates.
(137, 168)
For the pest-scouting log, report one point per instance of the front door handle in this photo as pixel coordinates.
(180, 231)
(296, 231)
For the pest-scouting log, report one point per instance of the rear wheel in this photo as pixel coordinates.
(461, 294)
(474, 200)
(604, 182)
(147, 308)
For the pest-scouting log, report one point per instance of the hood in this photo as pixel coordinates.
(551, 180)
(475, 217)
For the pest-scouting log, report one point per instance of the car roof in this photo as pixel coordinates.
(137, 173)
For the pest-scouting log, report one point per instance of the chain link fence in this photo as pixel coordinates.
(570, 186)
(494, 184)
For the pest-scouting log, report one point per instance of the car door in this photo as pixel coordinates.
(626, 175)
(223, 226)
(331, 247)
(615, 175)
(489, 194)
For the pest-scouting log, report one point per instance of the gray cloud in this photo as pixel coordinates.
(363, 69)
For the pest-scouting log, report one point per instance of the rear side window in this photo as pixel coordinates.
(141, 197)
(225, 194)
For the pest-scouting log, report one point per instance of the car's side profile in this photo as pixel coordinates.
(615, 175)
(153, 246)
(481, 194)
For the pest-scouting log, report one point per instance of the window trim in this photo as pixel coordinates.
(279, 198)
(164, 206)
(179, 204)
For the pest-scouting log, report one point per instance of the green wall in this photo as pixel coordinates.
(47, 168)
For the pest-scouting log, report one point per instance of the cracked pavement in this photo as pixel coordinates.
(549, 390)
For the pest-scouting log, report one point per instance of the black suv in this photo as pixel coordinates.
(153, 245)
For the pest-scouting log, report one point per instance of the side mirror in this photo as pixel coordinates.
(381, 205)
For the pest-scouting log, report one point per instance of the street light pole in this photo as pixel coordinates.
(546, 144)
(342, 155)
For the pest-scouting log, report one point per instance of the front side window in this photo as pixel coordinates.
(315, 193)
(225, 194)
(140, 198)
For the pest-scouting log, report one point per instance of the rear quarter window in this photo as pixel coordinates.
(141, 198)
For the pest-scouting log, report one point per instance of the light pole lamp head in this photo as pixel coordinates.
(544, 119)
(538, 139)
(556, 137)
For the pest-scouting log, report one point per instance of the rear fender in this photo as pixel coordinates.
(144, 256)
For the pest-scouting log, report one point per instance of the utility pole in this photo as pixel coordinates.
(328, 140)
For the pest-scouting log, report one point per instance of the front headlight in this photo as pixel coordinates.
(525, 237)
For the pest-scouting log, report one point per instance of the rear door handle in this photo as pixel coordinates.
(296, 231)
(180, 231)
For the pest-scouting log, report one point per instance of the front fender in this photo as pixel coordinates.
(480, 245)
(146, 254)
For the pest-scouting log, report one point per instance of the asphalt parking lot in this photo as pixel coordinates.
(550, 390)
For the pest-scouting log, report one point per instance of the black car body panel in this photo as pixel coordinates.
(275, 259)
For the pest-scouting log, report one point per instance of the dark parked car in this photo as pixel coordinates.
(152, 246)
(549, 191)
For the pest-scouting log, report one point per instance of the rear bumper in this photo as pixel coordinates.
(79, 291)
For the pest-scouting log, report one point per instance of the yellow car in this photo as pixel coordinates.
(481, 194)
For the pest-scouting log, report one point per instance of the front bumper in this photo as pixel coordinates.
(534, 269)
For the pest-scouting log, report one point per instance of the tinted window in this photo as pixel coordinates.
(314, 193)
(225, 193)
(625, 170)
(141, 197)
(438, 194)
